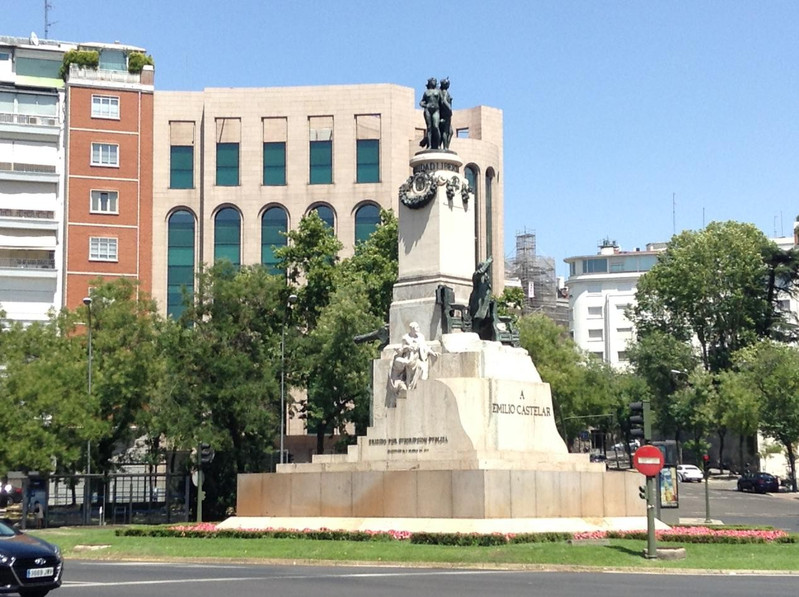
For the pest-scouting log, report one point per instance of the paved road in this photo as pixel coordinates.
(733, 507)
(90, 579)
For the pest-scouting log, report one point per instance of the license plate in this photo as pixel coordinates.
(39, 572)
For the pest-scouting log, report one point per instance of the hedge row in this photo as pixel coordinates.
(459, 539)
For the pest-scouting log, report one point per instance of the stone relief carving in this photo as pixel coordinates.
(411, 363)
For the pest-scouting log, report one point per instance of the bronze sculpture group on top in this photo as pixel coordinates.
(437, 105)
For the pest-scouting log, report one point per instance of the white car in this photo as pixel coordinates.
(688, 473)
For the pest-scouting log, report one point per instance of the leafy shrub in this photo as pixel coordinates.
(84, 58)
(137, 60)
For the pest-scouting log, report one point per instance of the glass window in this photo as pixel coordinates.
(34, 67)
(594, 266)
(462, 133)
(227, 236)
(321, 162)
(595, 334)
(470, 172)
(275, 163)
(180, 261)
(105, 154)
(104, 202)
(32, 104)
(274, 225)
(113, 60)
(102, 249)
(326, 214)
(594, 311)
(105, 106)
(181, 167)
(227, 164)
(489, 215)
(368, 167)
(367, 219)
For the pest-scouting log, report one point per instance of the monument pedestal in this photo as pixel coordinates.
(436, 242)
(463, 429)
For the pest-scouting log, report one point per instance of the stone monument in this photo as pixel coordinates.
(463, 430)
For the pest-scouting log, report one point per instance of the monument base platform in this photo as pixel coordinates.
(456, 494)
(443, 525)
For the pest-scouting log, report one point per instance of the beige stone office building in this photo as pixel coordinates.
(234, 168)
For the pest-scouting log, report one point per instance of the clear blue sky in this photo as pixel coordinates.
(611, 109)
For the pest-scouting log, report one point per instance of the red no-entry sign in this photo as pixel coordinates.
(648, 460)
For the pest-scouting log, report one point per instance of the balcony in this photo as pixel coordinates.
(29, 126)
(26, 263)
(78, 73)
(28, 119)
(28, 172)
(28, 214)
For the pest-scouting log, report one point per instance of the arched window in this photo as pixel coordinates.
(488, 208)
(227, 236)
(179, 260)
(471, 177)
(326, 214)
(367, 217)
(274, 225)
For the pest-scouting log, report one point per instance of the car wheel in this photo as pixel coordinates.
(680, 478)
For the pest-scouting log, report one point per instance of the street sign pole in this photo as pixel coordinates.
(648, 460)
(651, 547)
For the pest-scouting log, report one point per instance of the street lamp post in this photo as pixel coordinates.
(87, 486)
(88, 302)
(291, 300)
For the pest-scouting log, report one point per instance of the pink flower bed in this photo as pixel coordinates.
(692, 531)
(765, 535)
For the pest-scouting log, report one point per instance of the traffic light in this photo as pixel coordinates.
(640, 425)
(642, 492)
(206, 454)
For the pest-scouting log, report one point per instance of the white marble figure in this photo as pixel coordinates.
(411, 361)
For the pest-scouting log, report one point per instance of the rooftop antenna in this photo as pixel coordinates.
(47, 21)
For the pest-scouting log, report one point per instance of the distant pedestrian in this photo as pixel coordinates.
(38, 513)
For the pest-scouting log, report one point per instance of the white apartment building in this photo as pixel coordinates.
(31, 177)
(601, 288)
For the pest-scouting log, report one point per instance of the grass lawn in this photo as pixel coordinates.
(79, 543)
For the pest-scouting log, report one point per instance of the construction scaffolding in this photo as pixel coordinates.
(536, 275)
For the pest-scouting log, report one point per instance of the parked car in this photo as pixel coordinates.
(688, 473)
(758, 482)
(29, 566)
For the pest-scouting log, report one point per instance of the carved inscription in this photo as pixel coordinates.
(409, 445)
(434, 167)
(505, 408)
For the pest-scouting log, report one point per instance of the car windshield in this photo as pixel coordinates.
(6, 531)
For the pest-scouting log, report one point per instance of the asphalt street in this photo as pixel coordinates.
(89, 579)
(780, 510)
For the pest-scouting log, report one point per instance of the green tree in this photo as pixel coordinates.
(223, 374)
(45, 417)
(710, 285)
(771, 370)
(511, 301)
(742, 410)
(662, 361)
(338, 390)
(127, 367)
(692, 410)
(311, 262)
(375, 264)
